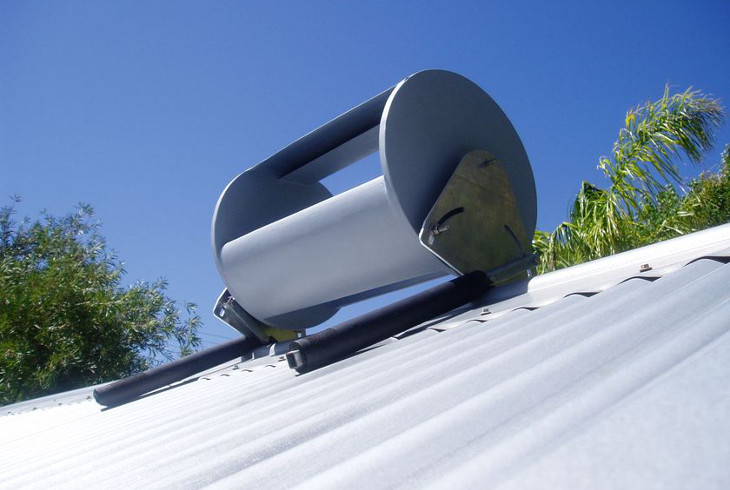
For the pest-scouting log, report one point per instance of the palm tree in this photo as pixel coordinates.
(641, 168)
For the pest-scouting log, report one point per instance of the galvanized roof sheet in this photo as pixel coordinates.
(597, 376)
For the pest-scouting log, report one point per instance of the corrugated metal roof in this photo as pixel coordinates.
(598, 376)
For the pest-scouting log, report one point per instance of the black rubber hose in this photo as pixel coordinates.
(128, 389)
(348, 337)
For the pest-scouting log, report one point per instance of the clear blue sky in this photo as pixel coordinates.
(146, 110)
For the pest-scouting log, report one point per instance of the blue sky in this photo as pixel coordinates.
(146, 110)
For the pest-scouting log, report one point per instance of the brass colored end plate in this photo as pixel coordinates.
(475, 223)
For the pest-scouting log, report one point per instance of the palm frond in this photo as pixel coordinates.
(655, 138)
(642, 167)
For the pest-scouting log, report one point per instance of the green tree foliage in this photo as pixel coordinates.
(708, 201)
(66, 321)
(645, 200)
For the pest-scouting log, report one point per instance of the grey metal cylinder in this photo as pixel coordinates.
(335, 249)
(291, 254)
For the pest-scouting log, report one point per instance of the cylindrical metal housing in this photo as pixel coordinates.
(291, 254)
(337, 248)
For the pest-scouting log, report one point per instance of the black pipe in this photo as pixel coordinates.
(348, 337)
(128, 389)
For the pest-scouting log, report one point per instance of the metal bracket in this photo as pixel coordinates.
(228, 310)
(234, 315)
(475, 224)
(504, 273)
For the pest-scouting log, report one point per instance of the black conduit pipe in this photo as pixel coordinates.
(128, 389)
(348, 337)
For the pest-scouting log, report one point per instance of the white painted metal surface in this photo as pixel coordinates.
(601, 377)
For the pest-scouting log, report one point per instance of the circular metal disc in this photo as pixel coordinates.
(431, 120)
